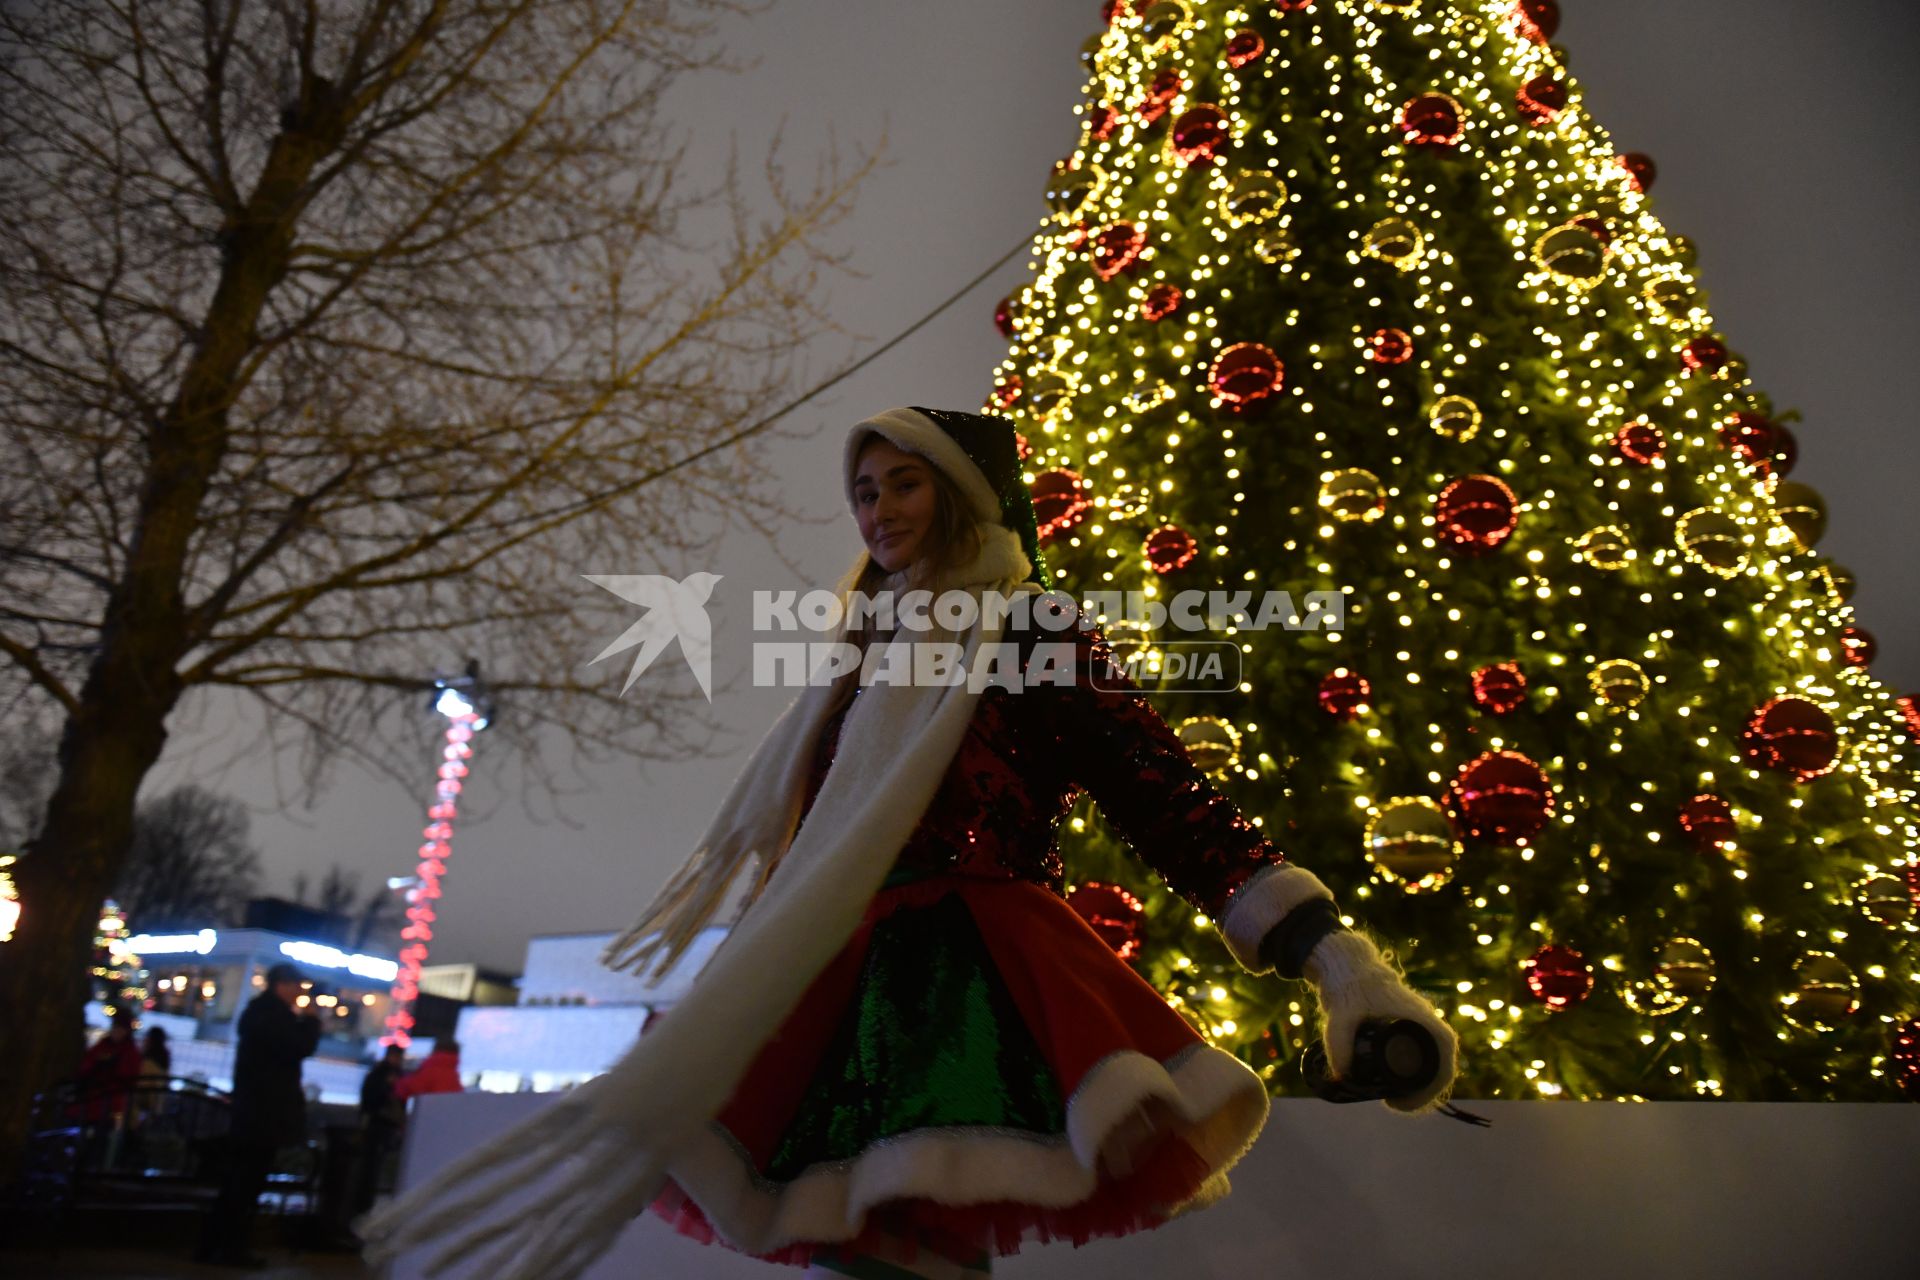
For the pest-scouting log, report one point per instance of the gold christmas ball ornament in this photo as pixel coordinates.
(1884, 900)
(1353, 494)
(1276, 245)
(1574, 254)
(1802, 510)
(1713, 540)
(1619, 684)
(1253, 196)
(1213, 744)
(1072, 185)
(1163, 23)
(1129, 638)
(1125, 502)
(1685, 967)
(1824, 992)
(1840, 582)
(1395, 240)
(1049, 393)
(1603, 548)
(1455, 417)
(1412, 842)
(1674, 301)
(1149, 396)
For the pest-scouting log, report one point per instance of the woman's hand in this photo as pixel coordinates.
(1355, 983)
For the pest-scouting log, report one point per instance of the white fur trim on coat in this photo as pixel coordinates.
(917, 433)
(1260, 904)
(1215, 1104)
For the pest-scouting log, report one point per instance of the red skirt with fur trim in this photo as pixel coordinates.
(976, 1068)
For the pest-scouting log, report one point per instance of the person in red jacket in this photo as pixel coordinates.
(108, 1071)
(440, 1073)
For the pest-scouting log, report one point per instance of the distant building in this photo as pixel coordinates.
(199, 981)
(575, 1018)
(446, 989)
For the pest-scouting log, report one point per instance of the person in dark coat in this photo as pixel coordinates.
(382, 1114)
(269, 1112)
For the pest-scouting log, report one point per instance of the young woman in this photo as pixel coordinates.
(911, 1054)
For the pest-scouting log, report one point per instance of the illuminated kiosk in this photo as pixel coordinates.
(201, 980)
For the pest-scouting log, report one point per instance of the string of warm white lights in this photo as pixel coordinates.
(1356, 294)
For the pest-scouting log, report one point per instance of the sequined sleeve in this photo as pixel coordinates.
(1135, 768)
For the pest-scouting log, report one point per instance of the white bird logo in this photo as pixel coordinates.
(673, 609)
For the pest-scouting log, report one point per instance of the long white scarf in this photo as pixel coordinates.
(598, 1156)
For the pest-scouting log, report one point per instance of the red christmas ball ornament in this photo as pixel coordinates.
(1161, 301)
(1909, 704)
(1475, 513)
(1906, 1055)
(1541, 100)
(1596, 226)
(1200, 133)
(1246, 372)
(1059, 501)
(1101, 122)
(1641, 168)
(1117, 247)
(1639, 443)
(1245, 46)
(1291, 6)
(1007, 391)
(1500, 687)
(1708, 822)
(1112, 912)
(1390, 346)
(1169, 548)
(1432, 120)
(1539, 19)
(1705, 354)
(1749, 435)
(1791, 735)
(1344, 694)
(1858, 646)
(1501, 797)
(1559, 977)
(1165, 86)
(1786, 451)
(1006, 316)
(1112, 11)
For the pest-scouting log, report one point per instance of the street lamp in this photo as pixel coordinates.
(468, 708)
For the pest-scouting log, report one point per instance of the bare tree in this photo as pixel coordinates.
(191, 861)
(355, 919)
(340, 338)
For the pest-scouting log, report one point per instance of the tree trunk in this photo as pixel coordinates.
(67, 871)
(114, 736)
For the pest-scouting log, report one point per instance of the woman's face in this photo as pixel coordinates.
(893, 503)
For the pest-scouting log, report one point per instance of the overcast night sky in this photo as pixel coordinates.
(1784, 132)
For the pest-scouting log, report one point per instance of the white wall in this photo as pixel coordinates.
(1554, 1191)
(566, 968)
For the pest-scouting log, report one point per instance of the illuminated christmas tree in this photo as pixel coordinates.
(1353, 295)
(116, 969)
